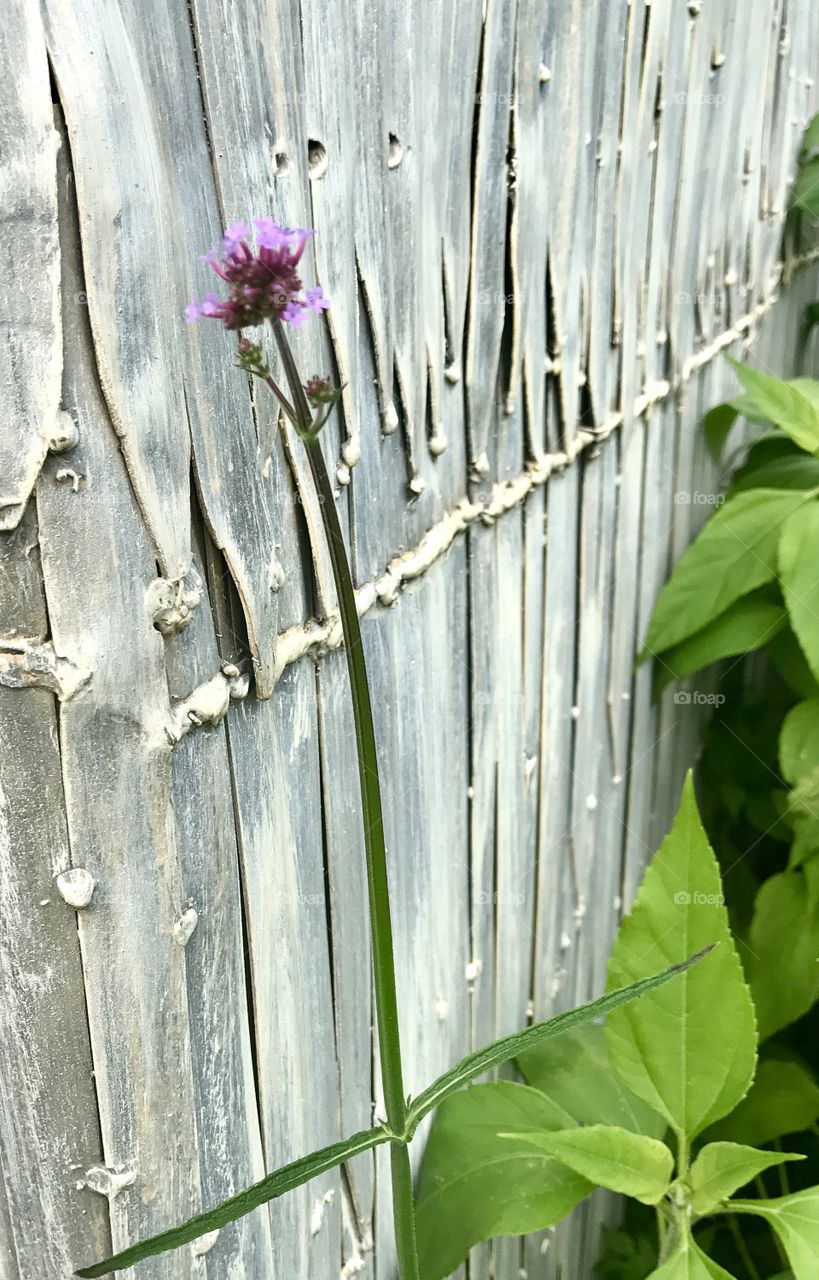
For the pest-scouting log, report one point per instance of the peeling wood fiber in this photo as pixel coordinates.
(541, 225)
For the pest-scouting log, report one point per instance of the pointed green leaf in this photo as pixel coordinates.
(722, 1168)
(274, 1185)
(792, 406)
(746, 625)
(799, 739)
(783, 949)
(625, 1162)
(795, 1219)
(690, 1263)
(574, 1072)
(798, 560)
(688, 1050)
(475, 1184)
(784, 1098)
(717, 425)
(735, 553)
(476, 1064)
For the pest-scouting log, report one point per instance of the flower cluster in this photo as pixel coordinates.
(320, 391)
(263, 282)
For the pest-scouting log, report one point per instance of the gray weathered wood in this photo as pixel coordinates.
(540, 226)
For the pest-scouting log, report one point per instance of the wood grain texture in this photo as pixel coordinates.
(540, 226)
(49, 1104)
(116, 763)
(31, 359)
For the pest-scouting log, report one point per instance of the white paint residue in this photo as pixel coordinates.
(76, 887)
(208, 703)
(73, 477)
(170, 604)
(441, 1009)
(317, 1216)
(183, 927)
(25, 664)
(64, 433)
(109, 1182)
(389, 422)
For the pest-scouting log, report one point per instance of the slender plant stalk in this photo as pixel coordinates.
(386, 1001)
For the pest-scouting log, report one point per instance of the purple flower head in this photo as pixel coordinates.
(316, 301)
(263, 282)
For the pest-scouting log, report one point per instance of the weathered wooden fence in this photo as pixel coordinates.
(541, 223)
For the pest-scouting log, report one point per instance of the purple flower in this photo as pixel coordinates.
(233, 237)
(263, 283)
(316, 301)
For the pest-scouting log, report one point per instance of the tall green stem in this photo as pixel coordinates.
(386, 1001)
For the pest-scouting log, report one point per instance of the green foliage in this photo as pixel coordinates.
(599, 1100)
(795, 1219)
(610, 1157)
(688, 1262)
(762, 807)
(783, 950)
(664, 1050)
(575, 1074)
(792, 406)
(501, 1051)
(747, 625)
(270, 1188)
(799, 578)
(735, 553)
(783, 1099)
(476, 1184)
(721, 1168)
(626, 1255)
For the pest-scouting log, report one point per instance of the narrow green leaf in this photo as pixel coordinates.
(575, 1073)
(690, 1049)
(721, 1168)
(798, 561)
(795, 1219)
(717, 425)
(475, 1184)
(735, 553)
(799, 739)
(783, 947)
(274, 1185)
(793, 406)
(690, 1263)
(476, 1064)
(608, 1156)
(746, 625)
(783, 1099)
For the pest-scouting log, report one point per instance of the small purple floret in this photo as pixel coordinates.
(263, 282)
